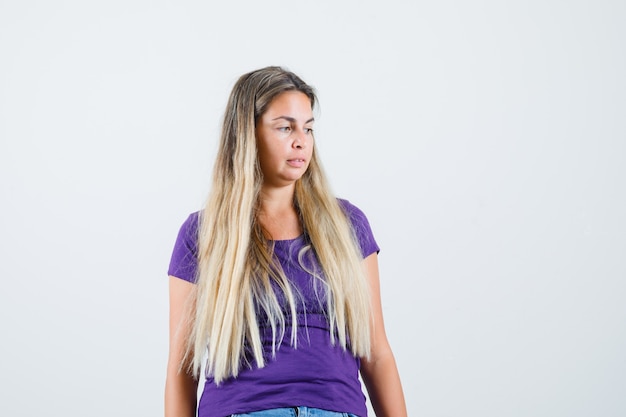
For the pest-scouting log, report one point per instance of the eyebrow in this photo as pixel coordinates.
(292, 120)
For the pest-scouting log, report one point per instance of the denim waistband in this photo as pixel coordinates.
(295, 412)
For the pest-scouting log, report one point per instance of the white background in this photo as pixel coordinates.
(485, 141)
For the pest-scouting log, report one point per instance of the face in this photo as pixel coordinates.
(285, 138)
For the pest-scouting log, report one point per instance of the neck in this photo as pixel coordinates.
(276, 199)
(277, 214)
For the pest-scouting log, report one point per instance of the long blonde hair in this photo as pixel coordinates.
(236, 262)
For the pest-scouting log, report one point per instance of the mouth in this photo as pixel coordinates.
(296, 162)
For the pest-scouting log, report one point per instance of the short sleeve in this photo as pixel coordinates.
(361, 227)
(184, 261)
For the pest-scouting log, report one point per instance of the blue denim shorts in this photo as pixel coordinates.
(294, 412)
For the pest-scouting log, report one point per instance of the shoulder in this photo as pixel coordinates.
(190, 225)
(354, 213)
(348, 206)
(188, 233)
(183, 263)
(360, 226)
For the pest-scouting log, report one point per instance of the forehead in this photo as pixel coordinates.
(289, 103)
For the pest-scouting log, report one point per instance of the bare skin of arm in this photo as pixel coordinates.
(180, 387)
(380, 373)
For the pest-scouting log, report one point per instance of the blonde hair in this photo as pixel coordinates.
(236, 265)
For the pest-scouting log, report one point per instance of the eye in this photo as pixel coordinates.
(284, 129)
(308, 130)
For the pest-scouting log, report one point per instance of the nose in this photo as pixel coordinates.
(299, 140)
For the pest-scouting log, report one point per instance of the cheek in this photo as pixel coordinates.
(263, 150)
(268, 155)
(261, 155)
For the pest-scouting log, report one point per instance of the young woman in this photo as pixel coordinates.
(274, 288)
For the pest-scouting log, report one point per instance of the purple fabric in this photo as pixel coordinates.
(316, 374)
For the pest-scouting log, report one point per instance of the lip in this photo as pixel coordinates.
(296, 162)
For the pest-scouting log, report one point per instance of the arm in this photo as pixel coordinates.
(380, 373)
(180, 387)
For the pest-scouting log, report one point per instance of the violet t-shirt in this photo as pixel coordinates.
(316, 373)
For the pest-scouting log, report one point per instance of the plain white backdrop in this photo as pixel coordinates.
(485, 140)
